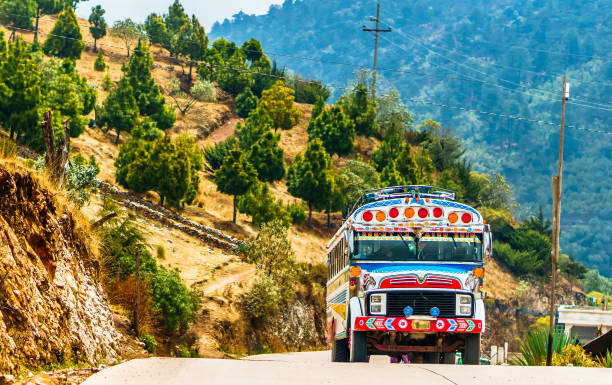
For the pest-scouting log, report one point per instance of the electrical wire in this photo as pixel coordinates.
(514, 117)
(600, 106)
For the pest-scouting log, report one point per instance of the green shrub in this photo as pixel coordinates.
(107, 83)
(296, 212)
(8, 148)
(534, 346)
(215, 154)
(174, 302)
(80, 181)
(262, 206)
(263, 298)
(161, 252)
(520, 263)
(100, 64)
(150, 342)
(573, 355)
(204, 91)
(245, 103)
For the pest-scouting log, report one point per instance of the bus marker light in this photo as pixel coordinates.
(466, 218)
(452, 217)
(355, 271)
(479, 272)
(423, 213)
(434, 312)
(381, 216)
(394, 213)
(408, 311)
(409, 213)
(368, 216)
(437, 212)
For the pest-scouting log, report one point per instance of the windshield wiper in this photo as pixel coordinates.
(454, 241)
(404, 241)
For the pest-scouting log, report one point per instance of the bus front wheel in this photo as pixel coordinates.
(359, 348)
(471, 352)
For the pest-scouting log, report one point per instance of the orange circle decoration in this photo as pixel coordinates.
(479, 272)
(355, 271)
(380, 216)
(453, 217)
(409, 212)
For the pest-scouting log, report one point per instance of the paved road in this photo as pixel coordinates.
(315, 368)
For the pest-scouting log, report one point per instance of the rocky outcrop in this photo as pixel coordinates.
(52, 309)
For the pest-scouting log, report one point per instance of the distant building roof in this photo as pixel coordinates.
(584, 316)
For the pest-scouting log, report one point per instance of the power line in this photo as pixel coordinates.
(514, 117)
(606, 104)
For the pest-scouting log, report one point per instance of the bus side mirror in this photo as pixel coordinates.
(350, 240)
(487, 242)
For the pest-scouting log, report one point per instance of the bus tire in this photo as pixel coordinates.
(340, 350)
(471, 353)
(449, 358)
(359, 348)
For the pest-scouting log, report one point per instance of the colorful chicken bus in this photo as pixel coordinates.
(405, 278)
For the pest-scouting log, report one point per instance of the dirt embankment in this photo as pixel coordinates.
(52, 308)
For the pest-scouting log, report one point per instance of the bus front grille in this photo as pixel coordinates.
(421, 303)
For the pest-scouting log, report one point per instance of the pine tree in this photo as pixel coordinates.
(278, 102)
(68, 94)
(245, 103)
(335, 129)
(361, 109)
(310, 176)
(100, 64)
(255, 126)
(17, 14)
(259, 203)
(65, 39)
(389, 149)
(267, 157)
(21, 94)
(212, 63)
(47, 7)
(176, 17)
(390, 176)
(156, 29)
(120, 110)
(172, 170)
(408, 167)
(233, 76)
(235, 176)
(98, 24)
(147, 93)
(252, 49)
(193, 42)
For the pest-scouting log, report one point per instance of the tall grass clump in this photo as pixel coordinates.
(8, 148)
(535, 344)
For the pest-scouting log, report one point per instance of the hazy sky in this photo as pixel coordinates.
(208, 11)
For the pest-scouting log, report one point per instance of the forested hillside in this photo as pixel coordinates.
(501, 56)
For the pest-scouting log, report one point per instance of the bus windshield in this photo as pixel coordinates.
(431, 247)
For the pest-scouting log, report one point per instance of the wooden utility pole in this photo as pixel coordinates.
(557, 184)
(137, 310)
(376, 31)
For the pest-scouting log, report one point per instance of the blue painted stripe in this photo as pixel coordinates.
(403, 267)
(340, 298)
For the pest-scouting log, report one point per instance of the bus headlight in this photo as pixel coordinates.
(378, 304)
(463, 306)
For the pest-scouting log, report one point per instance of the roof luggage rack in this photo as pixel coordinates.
(412, 191)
